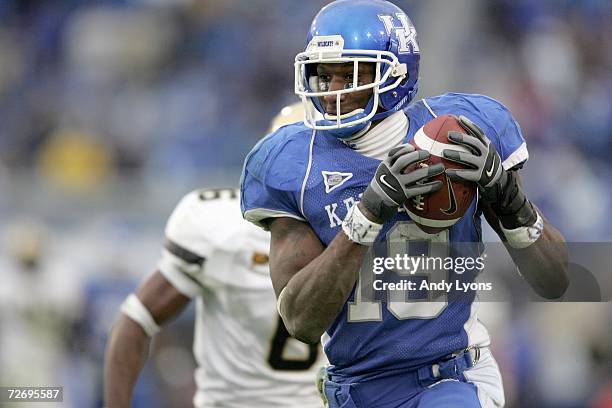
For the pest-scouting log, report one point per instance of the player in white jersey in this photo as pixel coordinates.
(245, 356)
(244, 353)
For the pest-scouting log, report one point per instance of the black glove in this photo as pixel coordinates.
(498, 187)
(390, 187)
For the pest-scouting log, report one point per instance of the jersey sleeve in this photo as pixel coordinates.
(186, 247)
(272, 177)
(494, 119)
(505, 133)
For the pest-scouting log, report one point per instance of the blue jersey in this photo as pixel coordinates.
(298, 173)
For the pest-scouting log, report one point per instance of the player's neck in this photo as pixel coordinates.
(381, 137)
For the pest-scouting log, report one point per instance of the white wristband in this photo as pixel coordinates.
(133, 308)
(359, 228)
(522, 237)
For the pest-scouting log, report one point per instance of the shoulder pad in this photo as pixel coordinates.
(203, 219)
(280, 159)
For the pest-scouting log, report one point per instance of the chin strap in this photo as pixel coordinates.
(345, 132)
(351, 132)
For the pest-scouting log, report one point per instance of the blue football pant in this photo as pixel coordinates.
(462, 387)
(411, 390)
(449, 393)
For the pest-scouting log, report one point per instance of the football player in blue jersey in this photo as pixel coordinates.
(331, 187)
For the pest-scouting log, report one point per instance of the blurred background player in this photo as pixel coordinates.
(289, 114)
(244, 353)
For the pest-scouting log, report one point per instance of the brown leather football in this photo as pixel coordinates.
(440, 210)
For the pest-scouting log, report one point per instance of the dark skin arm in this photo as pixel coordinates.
(317, 280)
(128, 344)
(544, 263)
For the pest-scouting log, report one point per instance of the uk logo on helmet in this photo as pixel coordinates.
(405, 33)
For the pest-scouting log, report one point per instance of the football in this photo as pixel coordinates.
(440, 210)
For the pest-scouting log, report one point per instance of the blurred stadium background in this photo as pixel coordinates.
(111, 110)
